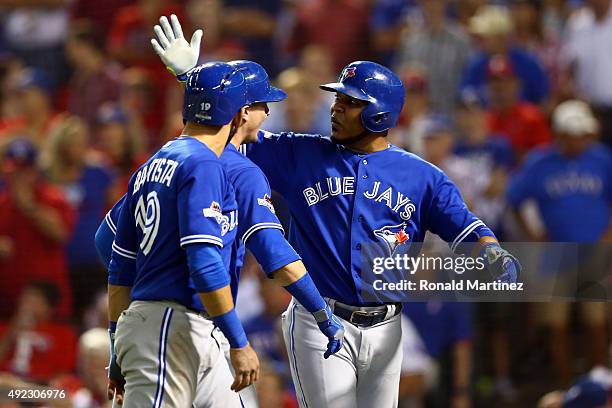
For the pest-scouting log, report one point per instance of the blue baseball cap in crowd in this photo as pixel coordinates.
(111, 113)
(586, 393)
(34, 78)
(19, 152)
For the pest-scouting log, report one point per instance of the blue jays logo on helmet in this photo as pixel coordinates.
(377, 85)
(214, 93)
(393, 236)
(348, 72)
(258, 84)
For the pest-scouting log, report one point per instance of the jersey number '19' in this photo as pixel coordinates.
(147, 219)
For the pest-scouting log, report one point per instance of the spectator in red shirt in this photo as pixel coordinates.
(523, 123)
(33, 344)
(339, 25)
(96, 79)
(35, 223)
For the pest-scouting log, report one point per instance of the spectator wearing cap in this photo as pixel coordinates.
(409, 132)
(88, 388)
(96, 79)
(522, 123)
(441, 46)
(493, 28)
(32, 95)
(120, 141)
(86, 183)
(33, 343)
(588, 60)
(571, 183)
(35, 223)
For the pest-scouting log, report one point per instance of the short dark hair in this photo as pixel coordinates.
(48, 289)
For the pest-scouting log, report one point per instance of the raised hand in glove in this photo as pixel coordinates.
(503, 266)
(176, 53)
(331, 327)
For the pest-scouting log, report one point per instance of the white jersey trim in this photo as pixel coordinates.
(467, 231)
(124, 252)
(111, 224)
(202, 238)
(259, 226)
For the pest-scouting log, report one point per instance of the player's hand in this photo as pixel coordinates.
(246, 366)
(176, 53)
(116, 382)
(334, 331)
(115, 390)
(503, 266)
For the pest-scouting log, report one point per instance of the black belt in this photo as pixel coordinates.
(363, 318)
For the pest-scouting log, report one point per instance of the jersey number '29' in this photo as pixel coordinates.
(147, 219)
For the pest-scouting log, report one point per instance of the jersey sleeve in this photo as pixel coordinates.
(122, 267)
(253, 196)
(450, 218)
(200, 196)
(521, 187)
(276, 155)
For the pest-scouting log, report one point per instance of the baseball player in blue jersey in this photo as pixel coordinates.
(258, 227)
(166, 268)
(346, 191)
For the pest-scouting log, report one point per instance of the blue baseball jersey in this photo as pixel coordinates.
(180, 196)
(573, 195)
(256, 212)
(341, 200)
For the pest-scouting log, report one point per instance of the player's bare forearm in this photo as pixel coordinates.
(289, 273)
(118, 300)
(217, 302)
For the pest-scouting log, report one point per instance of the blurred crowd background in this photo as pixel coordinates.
(84, 100)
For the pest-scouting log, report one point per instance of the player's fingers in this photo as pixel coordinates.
(158, 49)
(238, 381)
(163, 21)
(196, 38)
(176, 27)
(161, 36)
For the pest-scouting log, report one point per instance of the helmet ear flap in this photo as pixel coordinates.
(380, 117)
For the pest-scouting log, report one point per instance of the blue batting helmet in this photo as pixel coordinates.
(258, 84)
(378, 85)
(214, 93)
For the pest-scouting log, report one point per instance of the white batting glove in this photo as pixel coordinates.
(176, 53)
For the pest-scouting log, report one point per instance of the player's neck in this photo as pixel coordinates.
(238, 138)
(374, 142)
(214, 137)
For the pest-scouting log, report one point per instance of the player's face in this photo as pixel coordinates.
(346, 118)
(257, 113)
